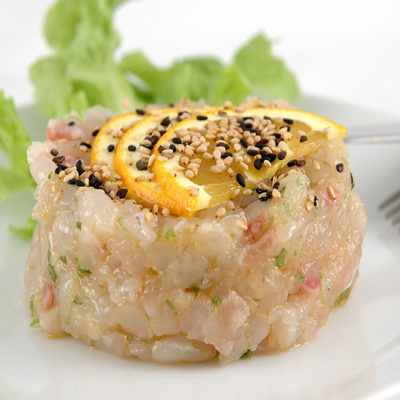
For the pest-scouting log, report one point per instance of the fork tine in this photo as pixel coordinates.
(389, 201)
(393, 211)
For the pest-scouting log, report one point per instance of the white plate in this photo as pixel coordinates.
(356, 355)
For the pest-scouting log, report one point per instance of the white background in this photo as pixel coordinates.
(347, 50)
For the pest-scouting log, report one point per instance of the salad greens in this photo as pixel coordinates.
(83, 71)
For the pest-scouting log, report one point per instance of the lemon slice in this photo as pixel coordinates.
(235, 149)
(133, 158)
(108, 138)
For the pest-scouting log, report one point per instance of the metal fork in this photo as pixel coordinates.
(394, 209)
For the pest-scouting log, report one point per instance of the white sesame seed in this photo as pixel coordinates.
(140, 178)
(192, 228)
(180, 148)
(155, 209)
(321, 182)
(148, 216)
(128, 160)
(235, 194)
(231, 173)
(194, 192)
(189, 174)
(316, 165)
(240, 109)
(239, 224)
(178, 168)
(215, 170)
(283, 130)
(184, 161)
(246, 159)
(247, 192)
(106, 174)
(83, 148)
(57, 197)
(62, 141)
(144, 150)
(230, 206)
(331, 193)
(327, 130)
(165, 212)
(237, 147)
(150, 177)
(151, 160)
(228, 161)
(275, 193)
(244, 166)
(310, 197)
(220, 212)
(97, 175)
(201, 149)
(282, 145)
(308, 206)
(216, 154)
(277, 120)
(189, 151)
(68, 177)
(162, 159)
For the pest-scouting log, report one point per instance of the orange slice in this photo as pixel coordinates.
(217, 146)
(133, 158)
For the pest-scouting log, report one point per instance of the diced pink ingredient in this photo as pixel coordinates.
(258, 222)
(57, 129)
(70, 160)
(47, 296)
(330, 202)
(312, 284)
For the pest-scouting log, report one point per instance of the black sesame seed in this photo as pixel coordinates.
(172, 147)
(94, 182)
(141, 165)
(165, 122)
(131, 147)
(161, 149)
(226, 154)
(315, 202)
(351, 178)
(60, 167)
(244, 143)
(140, 111)
(246, 118)
(301, 163)
(95, 132)
(278, 140)
(242, 126)
(72, 181)
(260, 145)
(222, 113)
(71, 123)
(282, 155)
(263, 153)
(303, 138)
(257, 164)
(202, 117)
(224, 145)
(110, 148)
(148, 146)
(264, 198)
(88, 145)
(339, 168)
(161, 132)
(122, 193)
(288, 121)
(292, 163)
(270, 157)
(252, 152)
(277, 135)
(79, 182)
(79, 167)
(259, 190)
(248, 125)
(187, 143)
(240, 180)
(256, 131)
(153, 139)
(276, 185)
(268, 118)
(263, 141)
(58, 159)
(54, 152)
(177, 140)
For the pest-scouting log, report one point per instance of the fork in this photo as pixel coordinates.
(394, 208)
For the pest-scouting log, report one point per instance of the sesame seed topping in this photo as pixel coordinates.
(331, 193)
(140, 111)
(315, 165)
(220, 212)
(282, 155)
(239, 224)
(122, 193)
(58, 159)
(132, 147)
(95, 132)
(301, 163)
(308, 206)
(247, 192)
(141, 165)
(303, 138)
(54, 152)
(110, 148)
(288, 121)
(201, 117)
(57, 197)
(339, 168)
(327, 130)
(140, 178)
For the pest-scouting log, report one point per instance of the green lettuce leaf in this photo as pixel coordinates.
(267, 74)
(27, 231)
(82, 71)
(13, 142)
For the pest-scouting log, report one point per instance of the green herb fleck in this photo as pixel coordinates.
(328, 224)
(298, 183)
(216, 301)
(301, 277)
(79, 224)
(83, 271)
(196, 290)
(343, 296)
(344, 161)
(257, 300)
(52, 273)
(170, 233)
(246, 355)
(352, 185)
(32, 305)
(121, 226)
(49, 175)
(326, 163)
(280, 258)
(48, 255)
(63, 259)
(314, 213)
(170, 305)
(78, 301)
(286, 206)
(321, 274)
(282, 190)
(35, 323)
(295, 252)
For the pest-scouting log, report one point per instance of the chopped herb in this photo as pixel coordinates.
(298, 183)
(343, 296)
(328, 224)
(78, 301)
(314, 213)
(246, 355)
(83, 271)
(196, 290)
(321, 274)
(48, 255)
(344, 161)
(121, 226)
(352, 185)
(52, 273)
(35, 323)
(282, 190)
(216, 301)
(295, 252)
(170, 305)
(32, 305)
(301, 277)
(63, 259)
(79, 224)
(257, 300)
(49, 175)
(326, 163)
(280, 258)
(170, 233)
(286, 206)
(345, 196)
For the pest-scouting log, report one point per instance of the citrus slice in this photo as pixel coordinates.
(107, 139)
(220, 151)
(133, 158)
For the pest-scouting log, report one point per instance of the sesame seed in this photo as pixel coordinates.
(88, 145)
(239, 224)
(282, 155)
(266, 163)
(140, 111)
(184, 161)
(230, 206)
(243, 166)
(310, 197)
(189, 174)
(215, 170)
(57, 197)
(151, 160)
(339, 168)
(194, 192)
(95, 132)
(58, 159)
(276, 194)
(110, 148)
(122, 193)
(148, 216)
(54, 152)
(308, 206)
(327, 130)
(301, 163)
(132, 147)
(150, 177)
(162, 159)
(192, 228)
(220, 212)
(331, 193)
(292, 163)
(288, 121)
(240, 109)
(155, 209)
(303, 138)
(217, 154)
(201, 117)
(315, 165)
(140, 178)
(165, 212)
(321, 182)
(247, 192)
(141, 165)
(235, 194)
